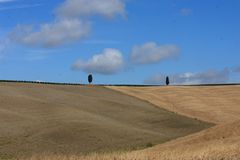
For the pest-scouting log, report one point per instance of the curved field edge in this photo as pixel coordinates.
(210, 144)
(218, 104)
(215, 104)
(59, 119)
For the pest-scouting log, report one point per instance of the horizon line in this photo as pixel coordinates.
(130, 85)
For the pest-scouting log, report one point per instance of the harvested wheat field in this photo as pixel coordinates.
(43, 121)
(217, 104)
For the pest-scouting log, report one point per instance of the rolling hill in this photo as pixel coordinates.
(38, 119)
(216, 104)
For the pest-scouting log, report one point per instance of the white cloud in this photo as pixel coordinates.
(110, 61)
(206, 77)
(153, 53)
(186, 11)
(69, 25)
(51, 34)
(79, 8)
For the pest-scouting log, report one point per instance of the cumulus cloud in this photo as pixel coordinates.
(69, 24)
(186, 11)
(79, 8)
(51, 34)
(206, 77)
(152, 53)
(110, 61)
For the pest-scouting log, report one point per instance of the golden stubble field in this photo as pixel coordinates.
(48, 122)
(40, 121)
(216, 104)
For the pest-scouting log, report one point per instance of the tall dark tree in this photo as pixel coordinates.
(167, 81)
(90, 78)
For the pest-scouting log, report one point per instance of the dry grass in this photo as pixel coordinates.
(216, 104)
(218, 143)
(220, 105)
(68, 120)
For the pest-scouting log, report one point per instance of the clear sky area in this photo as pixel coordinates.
(120, 41)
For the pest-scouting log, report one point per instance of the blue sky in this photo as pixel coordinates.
(120, 41)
